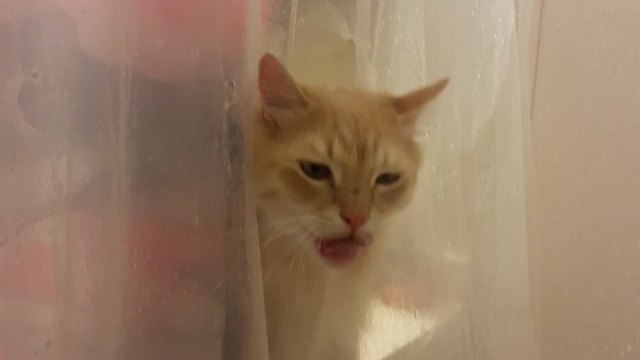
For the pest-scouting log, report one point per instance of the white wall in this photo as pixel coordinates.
(586, 145)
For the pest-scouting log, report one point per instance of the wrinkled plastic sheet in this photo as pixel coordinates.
(126, 217)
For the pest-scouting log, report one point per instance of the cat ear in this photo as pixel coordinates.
(409, 105)
(281, 96)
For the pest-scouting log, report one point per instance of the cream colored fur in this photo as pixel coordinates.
(316, 310)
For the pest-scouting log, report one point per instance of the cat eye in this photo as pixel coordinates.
(315, 171)
(387, 179)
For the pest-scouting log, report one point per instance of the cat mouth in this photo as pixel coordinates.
(341, 250)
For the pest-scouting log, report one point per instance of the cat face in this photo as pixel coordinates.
(332, 165)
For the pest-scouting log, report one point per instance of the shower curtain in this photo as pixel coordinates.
(126, 216)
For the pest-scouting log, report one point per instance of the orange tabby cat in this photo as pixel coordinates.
(331, 166)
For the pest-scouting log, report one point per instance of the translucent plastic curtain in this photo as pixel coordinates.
(458, 282)
(125, 216)
(122, 211)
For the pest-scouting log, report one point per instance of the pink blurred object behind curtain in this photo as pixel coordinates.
(164, 39)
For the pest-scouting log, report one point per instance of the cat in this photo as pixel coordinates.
(331, 167)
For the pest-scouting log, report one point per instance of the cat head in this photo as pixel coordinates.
(332, 165)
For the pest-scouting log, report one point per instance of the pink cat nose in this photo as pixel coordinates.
(354, 221)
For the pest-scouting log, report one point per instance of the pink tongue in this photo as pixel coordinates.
(339, 248)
